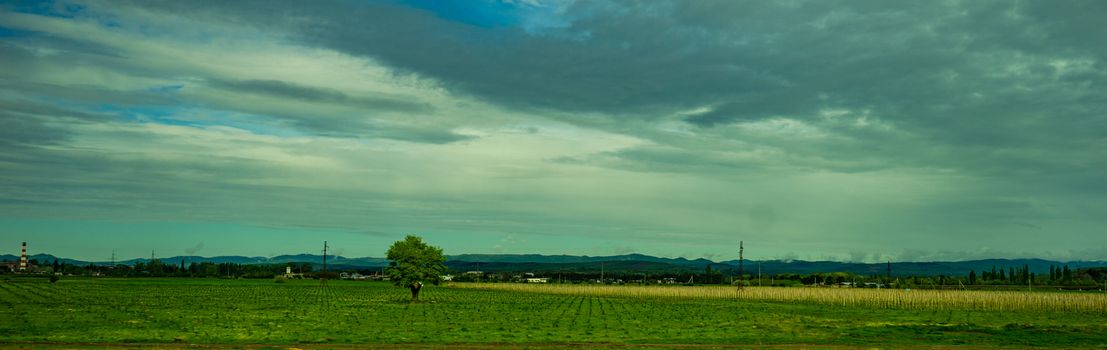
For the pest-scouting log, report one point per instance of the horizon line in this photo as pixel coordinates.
(788, 260)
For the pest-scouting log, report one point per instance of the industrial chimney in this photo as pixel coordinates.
(23, 258)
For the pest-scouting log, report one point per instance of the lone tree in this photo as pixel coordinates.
(414, 262)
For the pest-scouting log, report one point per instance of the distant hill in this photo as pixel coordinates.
(629, 263)
(569, 259)
(43, 259)
(617, 266)
(951, 268)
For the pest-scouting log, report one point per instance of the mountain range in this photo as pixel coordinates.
(628, 263)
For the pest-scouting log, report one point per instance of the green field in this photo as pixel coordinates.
(261, 313)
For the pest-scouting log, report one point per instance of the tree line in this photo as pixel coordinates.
(159, 268)
(997, 276)
(1058, 275)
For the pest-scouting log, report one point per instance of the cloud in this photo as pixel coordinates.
(953, 79)
(824, 128)
(142, 73)
(322, 95)
(19, 131)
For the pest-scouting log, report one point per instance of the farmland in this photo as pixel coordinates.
(235, 313)
(1089, 303)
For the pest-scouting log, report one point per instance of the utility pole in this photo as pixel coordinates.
(741, 265)
(601, 272)
(758, 273)
(113, 258)
(323, 277)
(741, 260)
(889, 269)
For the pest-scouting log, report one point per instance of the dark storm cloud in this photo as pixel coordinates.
(18, 131)
(90, 95)
(37, 58)
(321, 95)
(601, 71)
(987, 86)
(25, 123)
(869, 124)
(358, 122)
(971, 74)
(31, 108)
(758, 59)
(677, 160)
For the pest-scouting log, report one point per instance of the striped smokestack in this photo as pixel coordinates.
(23, 258)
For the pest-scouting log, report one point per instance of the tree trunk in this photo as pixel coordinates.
(415, 290)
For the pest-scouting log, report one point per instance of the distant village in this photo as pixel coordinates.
(1060, 277)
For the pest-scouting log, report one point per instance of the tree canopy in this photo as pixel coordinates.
(414, 262)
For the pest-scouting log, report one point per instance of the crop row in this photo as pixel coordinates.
(879, 298)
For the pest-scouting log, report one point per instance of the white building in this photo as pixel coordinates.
(288, 273)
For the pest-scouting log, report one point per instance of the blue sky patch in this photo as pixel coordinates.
(481, 13)
(48, 8)
(6, 32)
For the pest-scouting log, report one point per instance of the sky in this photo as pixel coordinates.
(819, 130)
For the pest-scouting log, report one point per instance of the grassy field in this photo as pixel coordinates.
(261, 313)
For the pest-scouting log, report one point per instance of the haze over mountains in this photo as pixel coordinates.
(618, 263)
